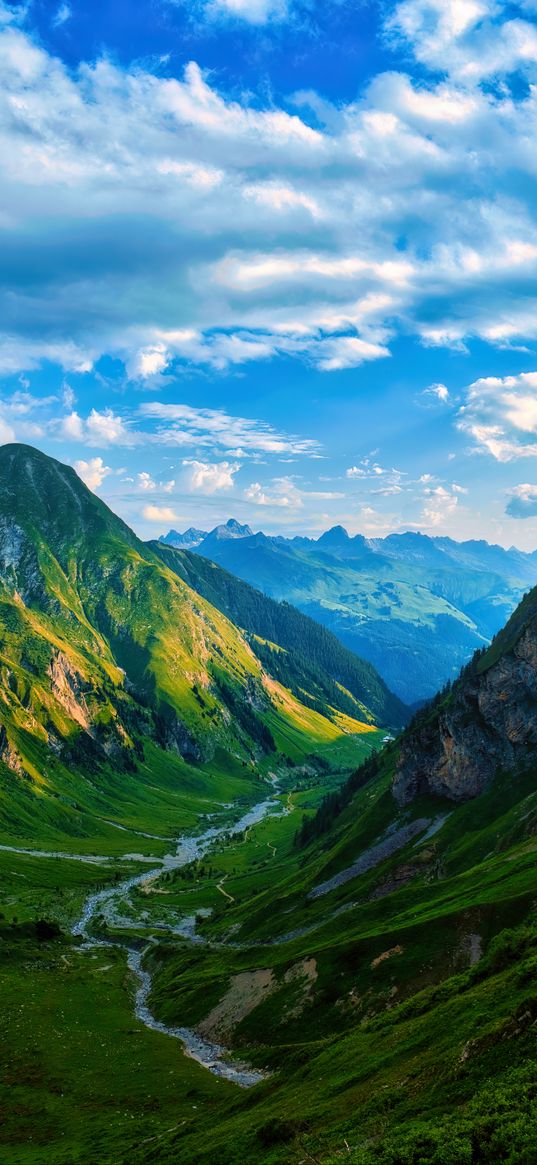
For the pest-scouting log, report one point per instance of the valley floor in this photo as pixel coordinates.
(391, 1017)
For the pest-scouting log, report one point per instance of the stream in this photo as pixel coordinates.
(104, 904)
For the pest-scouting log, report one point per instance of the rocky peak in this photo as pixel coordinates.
(230, 530)
(186, 541)
(336, 536)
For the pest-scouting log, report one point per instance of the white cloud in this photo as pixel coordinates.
(252, 11)
(207, 478)
(389, 479)
(63, 14)
(281, 198)
(99, 428)
(440, 505)
(523, 502)
(284, 492)
(323, 202)
(92, 472)
(145, 482)
(440, 391)
(500, 415)
(255, 493)
(159, 514)
(214, 428)
(347, 352)
(72, 427)
(7, 434)
(107, 428)
(468, 39)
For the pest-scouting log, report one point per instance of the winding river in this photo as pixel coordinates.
(104, 905)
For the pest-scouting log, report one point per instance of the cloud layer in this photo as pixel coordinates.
(160, 220)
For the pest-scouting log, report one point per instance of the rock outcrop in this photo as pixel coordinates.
(489, 723)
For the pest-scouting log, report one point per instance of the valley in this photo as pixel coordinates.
(416, 606)
(251, 908)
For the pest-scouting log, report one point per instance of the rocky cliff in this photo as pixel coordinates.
(486, 724)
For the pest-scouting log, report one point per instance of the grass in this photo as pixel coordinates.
(376, 1053)
(80, 1077)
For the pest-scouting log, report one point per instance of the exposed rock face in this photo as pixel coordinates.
(68, 687)
(9, 754)
(176, 737)
(489, 725)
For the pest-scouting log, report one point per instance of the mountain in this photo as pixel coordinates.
(357, 951)
(486, 724)
(416, 607)
(231, 531)
(107, 654)
(305, 655)
(186, 541)
(401, 938)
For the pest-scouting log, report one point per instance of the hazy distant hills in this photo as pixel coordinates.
(415, 606)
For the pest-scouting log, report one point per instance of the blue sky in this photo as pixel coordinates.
(275, 259)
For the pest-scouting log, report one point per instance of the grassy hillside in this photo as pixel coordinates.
(395, 1012)
(304, 654)
(105, 651)
(372, 955)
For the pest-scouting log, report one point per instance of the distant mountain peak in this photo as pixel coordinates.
(236, 528)
(230, 530)
(189, 540)
(334, 537)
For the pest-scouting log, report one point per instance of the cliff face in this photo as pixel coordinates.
(489, 723)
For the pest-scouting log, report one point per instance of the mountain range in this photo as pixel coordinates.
(415, 606)
(110, 647)
(219, 829)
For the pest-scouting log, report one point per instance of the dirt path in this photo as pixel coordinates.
(220, 887)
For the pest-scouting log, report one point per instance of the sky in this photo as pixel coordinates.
(275, 259)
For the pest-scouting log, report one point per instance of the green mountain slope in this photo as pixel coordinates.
(416, 607)
(369, 945)
(305, 655)
(102, 648)
(396, 945)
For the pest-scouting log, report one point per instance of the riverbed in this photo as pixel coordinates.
(103, 905)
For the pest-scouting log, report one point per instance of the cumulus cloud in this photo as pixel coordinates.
(377, 478)
(523, 502)
(323, 199)
(204, 477)
(92, 472)
(500, 415)
(98, 428)
(145, 482)
(469, 39)
(440, 505)
(347, 352)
